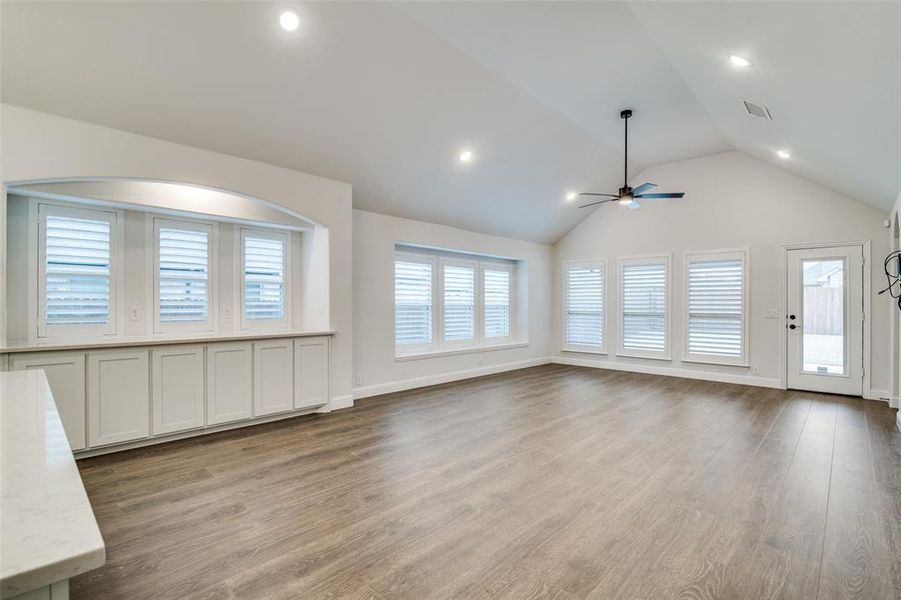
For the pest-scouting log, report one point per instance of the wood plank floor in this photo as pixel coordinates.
(551, 482)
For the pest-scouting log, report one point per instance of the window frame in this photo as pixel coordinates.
(264, 324)
(645, 259)
(432, 261)
(585, 348)
(511, 291)
(439, 346)
(744, 255)
(41, 210)
(210, 228)
(477, 302)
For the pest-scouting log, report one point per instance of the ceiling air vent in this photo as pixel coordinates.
(757, 110)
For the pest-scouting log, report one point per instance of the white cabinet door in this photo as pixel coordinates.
(311, 373)
(118, 396)
(229, 388)
(65, 373)
(273, 376)
(177, 377)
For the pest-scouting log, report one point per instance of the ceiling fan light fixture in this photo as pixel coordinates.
(783, 154)
(570, 196)
(625, 201)
(739, 61)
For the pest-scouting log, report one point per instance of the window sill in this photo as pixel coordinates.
(665, 357)
(713, 361)
(468, 350)
(584, 350)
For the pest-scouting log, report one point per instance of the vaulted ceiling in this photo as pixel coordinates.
(386, 95)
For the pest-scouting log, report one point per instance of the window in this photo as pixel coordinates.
(182, 287)
(644, 307)
(496, 280)
(413, 301)
(77, 283)
(459, 287)
(263, 282)
(717, 299)
(446, 301)
(584, 306)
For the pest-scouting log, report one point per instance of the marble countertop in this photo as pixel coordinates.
(49, 529)
(151, 340)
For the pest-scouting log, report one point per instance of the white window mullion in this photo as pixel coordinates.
(716, 300)
(644, 307)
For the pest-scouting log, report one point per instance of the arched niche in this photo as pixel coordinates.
(174, 199)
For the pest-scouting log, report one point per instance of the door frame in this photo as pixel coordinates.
(866, 306)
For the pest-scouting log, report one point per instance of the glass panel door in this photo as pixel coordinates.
(823, 312)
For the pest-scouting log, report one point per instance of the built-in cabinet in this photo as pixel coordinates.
(117, 396)
(273, 377)
(65, 372)
(178, 399)
(229, 382)
(311, 368)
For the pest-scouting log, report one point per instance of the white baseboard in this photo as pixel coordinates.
(882, 395)
(670, 371)
(339, 402)
(408, 384)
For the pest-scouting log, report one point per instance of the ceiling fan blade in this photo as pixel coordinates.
(643, 187)
(594, 194)
(594, 203)
(673, 195)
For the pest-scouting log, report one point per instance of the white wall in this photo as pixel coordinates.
(732, 200)
(36, 146)
(375, 236)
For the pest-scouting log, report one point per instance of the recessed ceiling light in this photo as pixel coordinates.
(739, 61)
(289, 20)
(783, 154)
(571, 196)
(466, 156)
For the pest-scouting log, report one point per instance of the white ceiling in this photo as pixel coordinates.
(384, 96)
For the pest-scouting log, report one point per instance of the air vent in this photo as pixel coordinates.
(757, 110)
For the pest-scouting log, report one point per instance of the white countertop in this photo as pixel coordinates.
(151, 340)
(49, 529)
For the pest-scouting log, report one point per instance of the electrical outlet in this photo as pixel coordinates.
(358, 379)
(755, 370)
(227, 314)
(134, 313)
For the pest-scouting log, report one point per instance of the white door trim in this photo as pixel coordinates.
(865, 249)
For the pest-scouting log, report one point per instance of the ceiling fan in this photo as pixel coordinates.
(628, 196)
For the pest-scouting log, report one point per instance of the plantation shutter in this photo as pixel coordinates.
(496, 287)
(183, 275)
(264, 277)
(585, 305)
(715, 306)
(412, 302)
(77, 271)
(459, 303)
(644, 307)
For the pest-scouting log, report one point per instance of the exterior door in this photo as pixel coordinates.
(824, 319)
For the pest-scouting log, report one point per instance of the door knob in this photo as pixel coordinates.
(792, 317)
(792, 326)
